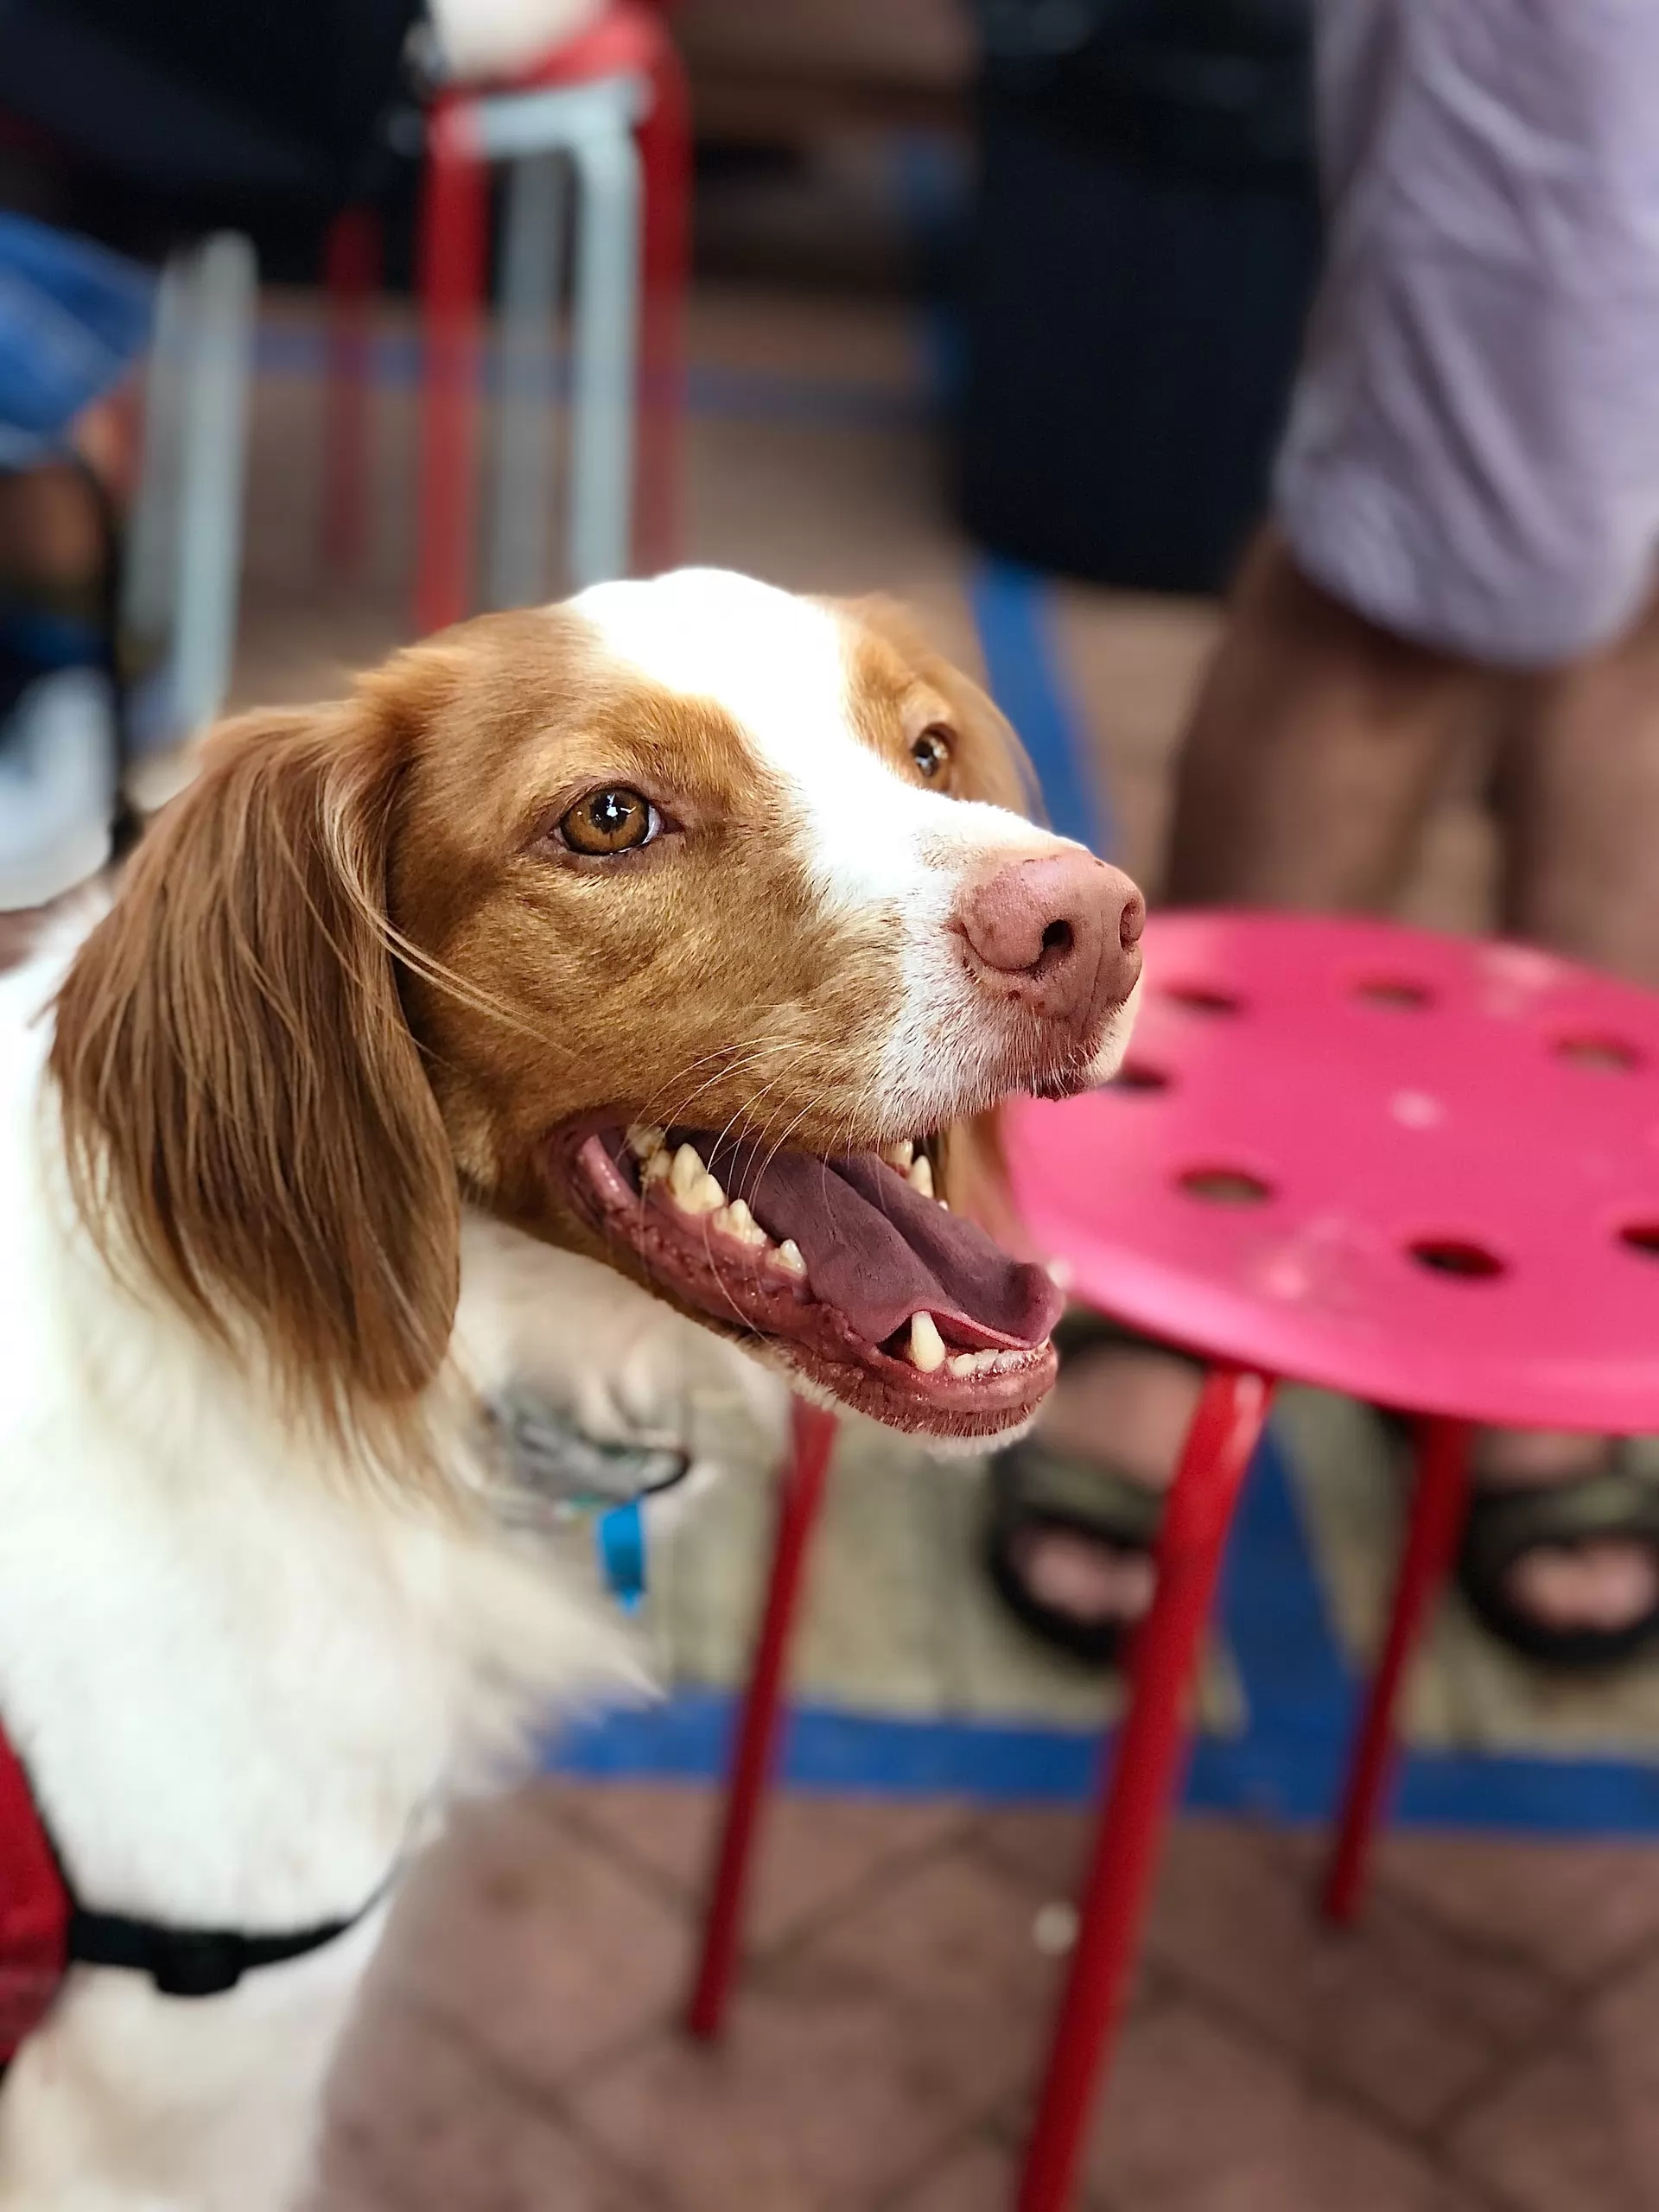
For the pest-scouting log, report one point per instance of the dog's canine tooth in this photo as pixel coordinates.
(705, 1196)
(921, 1175)
(645, 1140)
(900, 1155)
(687, 1171)
(788, 1256)
(926, 1344)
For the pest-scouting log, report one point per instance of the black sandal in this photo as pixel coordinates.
(1037, 1490)
(1618, 1505)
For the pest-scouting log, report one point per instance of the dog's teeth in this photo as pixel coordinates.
(962, 1363)
(926, 1344)
(921, 1176)
(687, 1171)
(645, 1141)
(1005, 1360)
(788, 1256)
(737, 1220)
(706, 1197)
(900, 1155)
(659, 1167)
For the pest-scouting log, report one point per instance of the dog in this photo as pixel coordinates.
(599, 989)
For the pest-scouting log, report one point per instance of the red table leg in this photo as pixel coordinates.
(453, 253)
(1144, 1772)
(802, 1494)
(1438, 1507)
(351, 261)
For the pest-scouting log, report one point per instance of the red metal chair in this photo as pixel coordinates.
(1419, 1171)
(629, 44)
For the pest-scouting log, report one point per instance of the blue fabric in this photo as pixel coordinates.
(72, 318)
(621, 1539)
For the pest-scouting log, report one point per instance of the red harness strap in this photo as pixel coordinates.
(33, 1909)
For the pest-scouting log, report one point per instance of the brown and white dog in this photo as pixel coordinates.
(593, 979)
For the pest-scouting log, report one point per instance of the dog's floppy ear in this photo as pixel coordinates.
(991, 762)
(246, 1115)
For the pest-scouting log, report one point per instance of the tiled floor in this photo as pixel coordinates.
(1488, 2041)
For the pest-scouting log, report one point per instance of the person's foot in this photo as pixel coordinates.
(1602, 1584)
(1136, 1403)
(1126, 1407)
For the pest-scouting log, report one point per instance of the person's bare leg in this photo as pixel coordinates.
(1314, 751)
(1314, 754)
(1579, 793)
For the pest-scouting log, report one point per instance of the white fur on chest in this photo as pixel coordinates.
(235, 1676)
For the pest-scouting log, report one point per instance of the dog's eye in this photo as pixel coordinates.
(615, 820)
(931, 752)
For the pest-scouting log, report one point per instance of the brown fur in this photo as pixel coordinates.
(246, 1115)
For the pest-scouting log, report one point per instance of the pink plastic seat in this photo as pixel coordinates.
(1420, 1171)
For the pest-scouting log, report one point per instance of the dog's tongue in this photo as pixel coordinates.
(880, 1251)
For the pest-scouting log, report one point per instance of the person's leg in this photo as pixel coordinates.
(1578, 791)
(1311, 758)
(1314, 752)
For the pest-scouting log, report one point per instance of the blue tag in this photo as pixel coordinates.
(621, 1537)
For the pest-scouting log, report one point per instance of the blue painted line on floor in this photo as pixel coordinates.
(1014, 615)
(685, 1740)
(1287, 1767)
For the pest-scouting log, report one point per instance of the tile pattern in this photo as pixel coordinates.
(1487, 2041)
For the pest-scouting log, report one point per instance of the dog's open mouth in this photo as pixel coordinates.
(852, 1268)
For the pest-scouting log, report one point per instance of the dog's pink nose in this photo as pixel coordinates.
(1060, 935)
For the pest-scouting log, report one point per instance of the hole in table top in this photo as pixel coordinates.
(1399, 993)
(1600, 1055)
(1456, 1255)
(1203, 998)
(1226, 1186)
(1137, 1075)
(1641, 1236)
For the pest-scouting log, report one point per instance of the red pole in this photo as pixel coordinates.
(352, 269)
(1437, 1508)
(454, 225)
(814, 1434)
(1143, 1774)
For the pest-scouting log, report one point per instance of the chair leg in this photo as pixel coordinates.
(1143, 1774)
(454, 226)
(802, 1495)
(213, 465)
(665, 155)
(1438, 1507)
(532, 249)
(352, 269)
(606, 354)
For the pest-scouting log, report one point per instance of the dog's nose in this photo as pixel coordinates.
(1059, 934)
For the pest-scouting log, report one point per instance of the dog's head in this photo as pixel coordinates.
(677, 925)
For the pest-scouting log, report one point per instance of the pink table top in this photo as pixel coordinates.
(1416, 1169)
